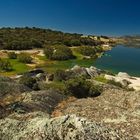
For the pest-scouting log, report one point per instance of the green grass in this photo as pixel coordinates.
(50, 65)
(101, 79)
(76, 53)
(17, 66)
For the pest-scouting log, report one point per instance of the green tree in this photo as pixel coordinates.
(48, 51)
(5, 65)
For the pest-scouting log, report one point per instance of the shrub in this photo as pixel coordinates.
(12, 55)
(67, 43)
(58, 53)
(112, 82)
(81, 88)
(29, 82)
(5, 65)
(87, 50)
(25, 58)
(77, 87)
(95, 91)
(75, 42)
(48, 51)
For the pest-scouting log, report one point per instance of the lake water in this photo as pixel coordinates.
(121, 59)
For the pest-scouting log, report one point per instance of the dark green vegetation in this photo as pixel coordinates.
(81, 88)
(12, 55)
(89, 51)
(24, 58)
(5, 65)
(67, 82)
(58, 53)
(28, 38)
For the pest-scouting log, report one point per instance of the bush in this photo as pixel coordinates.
(75, 42)
(81, 88)
(58, 53)
(29, 82)
(87, 50)
(25, 58)
(77, 87)
(5, 65)
(48, 51)
(12, 55)
(95, 91)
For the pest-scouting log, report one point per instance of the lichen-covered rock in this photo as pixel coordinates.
(45, 100)
(92, 71)
(115, 107)
(61, 128)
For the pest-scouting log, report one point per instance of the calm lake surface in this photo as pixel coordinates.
(121, 59)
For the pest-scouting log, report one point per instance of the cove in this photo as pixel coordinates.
(120, 59)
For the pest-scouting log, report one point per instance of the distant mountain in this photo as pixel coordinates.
(130, 41)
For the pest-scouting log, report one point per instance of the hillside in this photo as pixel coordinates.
(28, 38)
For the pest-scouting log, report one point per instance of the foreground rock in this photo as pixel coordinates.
(115, 108)
(18, 105)
(61, 128)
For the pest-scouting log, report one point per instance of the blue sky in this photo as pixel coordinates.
(106, 17)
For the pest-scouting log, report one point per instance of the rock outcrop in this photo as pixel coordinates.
(61, 128)
(115, 108)
(91, 71)
(126, 80)
(18, 105)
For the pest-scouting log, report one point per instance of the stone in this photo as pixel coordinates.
(67, 127)
(125, 80)
(41, 76)
(123, 75)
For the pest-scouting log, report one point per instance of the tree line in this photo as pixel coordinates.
(28, 38)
